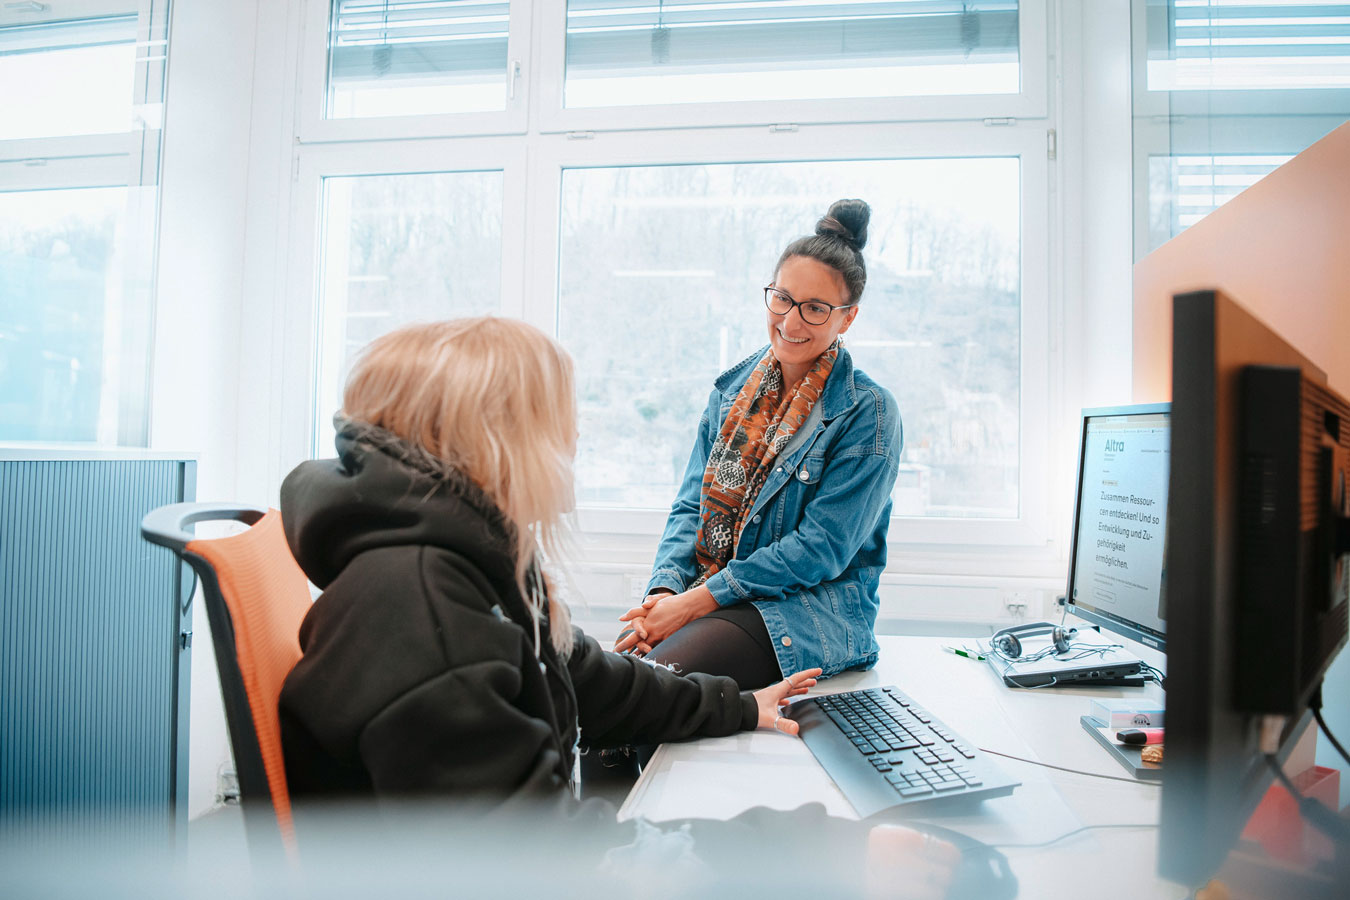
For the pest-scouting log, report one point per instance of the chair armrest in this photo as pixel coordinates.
(171, 526)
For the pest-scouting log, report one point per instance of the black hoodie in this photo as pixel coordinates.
(421, 673)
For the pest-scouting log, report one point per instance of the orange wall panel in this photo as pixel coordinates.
(1281, 248)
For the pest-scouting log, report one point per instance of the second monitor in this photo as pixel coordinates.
(1117, 560)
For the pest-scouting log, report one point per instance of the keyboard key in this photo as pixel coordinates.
(948, 785)
(897, 778)
(946, 757)
(915, 791)
(972, 781)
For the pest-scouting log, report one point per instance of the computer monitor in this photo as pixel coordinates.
(1117, 563)
(1257, 574)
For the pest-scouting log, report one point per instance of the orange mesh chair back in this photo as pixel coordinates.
(256, 597)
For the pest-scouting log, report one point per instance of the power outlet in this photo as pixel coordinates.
(635, 588)
(227, 786)
(1016, 602)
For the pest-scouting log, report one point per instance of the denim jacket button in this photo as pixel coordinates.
(787, 642)
(803, 474)
(756, 519)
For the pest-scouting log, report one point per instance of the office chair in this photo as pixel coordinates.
(256, 597)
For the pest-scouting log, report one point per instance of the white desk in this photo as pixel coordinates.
(721, 777)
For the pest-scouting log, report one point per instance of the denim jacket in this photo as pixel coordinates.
(811, 555)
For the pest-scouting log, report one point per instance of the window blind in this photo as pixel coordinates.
(621, 33)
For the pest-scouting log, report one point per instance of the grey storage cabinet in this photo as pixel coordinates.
(95, 643)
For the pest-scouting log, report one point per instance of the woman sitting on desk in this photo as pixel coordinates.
(776, 541)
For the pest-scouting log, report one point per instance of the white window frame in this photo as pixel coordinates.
(315, 127)
(1029, 102)
(532, 158)
(298, 360)
(553, 154)
(68, 162)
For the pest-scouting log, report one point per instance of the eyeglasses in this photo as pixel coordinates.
(813, 312)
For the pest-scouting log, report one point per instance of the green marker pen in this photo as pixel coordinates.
(959, 652)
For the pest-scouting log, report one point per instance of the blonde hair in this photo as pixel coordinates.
(494, 398)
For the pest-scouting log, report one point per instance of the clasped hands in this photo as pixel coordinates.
(662, 614)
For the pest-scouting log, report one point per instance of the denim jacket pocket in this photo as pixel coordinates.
(810, 469)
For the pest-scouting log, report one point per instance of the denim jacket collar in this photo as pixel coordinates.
(840, 394)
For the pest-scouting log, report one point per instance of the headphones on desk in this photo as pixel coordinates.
(1008, 645)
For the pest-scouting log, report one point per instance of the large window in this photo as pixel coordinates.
(625, 175)
(80, 117)
(660, 277)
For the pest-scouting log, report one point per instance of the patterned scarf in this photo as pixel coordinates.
(759, 425)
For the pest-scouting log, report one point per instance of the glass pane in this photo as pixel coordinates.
(693, 51)
(416, 57)
(1182, 190)
(660, 277)
(64, 79)
(1234, 88)
(1228, 45)
(60, 302)
(398, 249)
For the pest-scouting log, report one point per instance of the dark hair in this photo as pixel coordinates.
(840, 236)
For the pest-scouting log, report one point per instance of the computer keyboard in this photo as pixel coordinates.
(882, 749)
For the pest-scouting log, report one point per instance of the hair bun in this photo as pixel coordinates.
(847, 220)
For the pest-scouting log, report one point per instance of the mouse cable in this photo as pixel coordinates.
(1321, 818)
(1073, 771)
(1317, 714)
(1315, 704)
(1069, 834)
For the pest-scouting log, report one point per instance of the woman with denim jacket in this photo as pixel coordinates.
(776, 541)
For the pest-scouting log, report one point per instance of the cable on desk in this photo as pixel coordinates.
(1073, 771)
(1315, 704)
(1156, 674)
(1317, 714)
(1069, 834)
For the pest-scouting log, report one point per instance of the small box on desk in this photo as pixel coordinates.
(1127, 713)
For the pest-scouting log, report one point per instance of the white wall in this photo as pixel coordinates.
(195, 402)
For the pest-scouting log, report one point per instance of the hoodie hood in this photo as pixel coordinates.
(383, 491)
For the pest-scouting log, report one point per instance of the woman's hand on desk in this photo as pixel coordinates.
(661, 615)
(773, 698)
